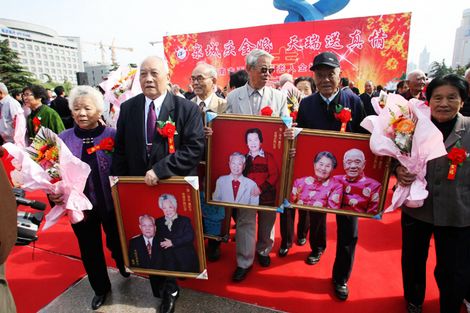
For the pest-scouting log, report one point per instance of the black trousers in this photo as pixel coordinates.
(287, 226)
(346, 230)
(452, 270)
(163, 285)
(88, 233)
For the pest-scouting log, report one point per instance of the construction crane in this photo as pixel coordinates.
(111, 47)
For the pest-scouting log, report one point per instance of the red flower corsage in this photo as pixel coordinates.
(294, 115)
(168, 130)
(106, 144)
(343, 115)
(266, 111)
(456, 156)
(36, 123)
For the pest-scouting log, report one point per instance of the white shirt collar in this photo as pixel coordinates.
(260, 153)
(157, 103)
(206, 101)
(328, 100)
(147, 240)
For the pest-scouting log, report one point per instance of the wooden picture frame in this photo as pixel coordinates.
(135, 202)
(229, 136)
(356, 186)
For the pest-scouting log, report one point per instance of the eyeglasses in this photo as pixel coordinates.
(199, 78)
(27, 94)
(322, 76)
(265, 70)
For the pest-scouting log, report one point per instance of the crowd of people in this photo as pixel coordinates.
(141, 151)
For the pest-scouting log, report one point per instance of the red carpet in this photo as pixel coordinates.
(288, 284)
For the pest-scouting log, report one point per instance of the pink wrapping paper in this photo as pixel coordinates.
(427, 145)
(31, 176)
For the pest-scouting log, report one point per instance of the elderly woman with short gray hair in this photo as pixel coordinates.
(93, 143)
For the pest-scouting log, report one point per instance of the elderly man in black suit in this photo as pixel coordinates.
(142, 151)
(143, 247)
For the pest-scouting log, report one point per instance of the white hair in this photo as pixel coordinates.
(169, 197)
(86, 92)
(415, 73)
(351, 152)
(208, 68)
(163, 60)
(235, 155)
(146, 216)
(3, 88)
(254, 55)
(284, 78)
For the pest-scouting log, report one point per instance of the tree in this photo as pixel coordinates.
(440, 69)
(12, 73)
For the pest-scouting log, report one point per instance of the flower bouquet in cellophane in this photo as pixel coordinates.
(48, 165)
(403, 130)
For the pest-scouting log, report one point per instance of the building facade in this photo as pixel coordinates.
(96, 73)
(462, 41)
(42, 51)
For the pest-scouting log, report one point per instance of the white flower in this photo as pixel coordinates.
(294, 190)
(300, 202)
(348, 189)
(312, 194)
(366, 191)
(375, 197)
(402, 141)
(325, 183)
(335, 198)
(318, 203)
(353, 202)
(309, 180)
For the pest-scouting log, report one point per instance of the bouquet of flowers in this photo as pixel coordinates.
(403, 130)
(48, 165)
(294, 96)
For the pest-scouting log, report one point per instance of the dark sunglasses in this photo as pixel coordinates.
(264, 70)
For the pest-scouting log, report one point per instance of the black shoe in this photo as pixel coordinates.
(169, 303)
(98, 301)
(264, 260)
(341, 291)
(301, 241)
(413, 308)
(123, 272)
(313, 258)
(213, 253)
(240, 274)
(283, 252)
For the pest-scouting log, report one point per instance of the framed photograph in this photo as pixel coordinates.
(215, 218)
(338, 173)
(160, 227)
(246, 162)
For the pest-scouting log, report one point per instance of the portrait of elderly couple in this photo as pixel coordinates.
(161, 229)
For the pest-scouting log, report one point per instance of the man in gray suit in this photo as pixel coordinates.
(204, 80)
(235, 187)
(251, 99)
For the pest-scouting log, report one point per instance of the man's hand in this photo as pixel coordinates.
(56, 198)
(404, 177)
(151, 179)
(255, 192)
(166, 243)
(208, 131)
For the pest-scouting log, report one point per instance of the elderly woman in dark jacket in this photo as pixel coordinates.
(86, 105)
(446, 212)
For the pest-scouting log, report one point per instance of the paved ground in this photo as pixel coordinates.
(133, 295)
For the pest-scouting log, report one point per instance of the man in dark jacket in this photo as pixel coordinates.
(61, 106)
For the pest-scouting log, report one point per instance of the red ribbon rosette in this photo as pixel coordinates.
(343, 115)
(266, 111)
(106, 144)
(168, 130)
(294, 115)
(36, 123)
(456, 157)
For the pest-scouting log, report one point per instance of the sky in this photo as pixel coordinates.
(135, 23)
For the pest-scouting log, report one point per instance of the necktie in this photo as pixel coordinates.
(235, 186)
(149, 249)
(151, 120)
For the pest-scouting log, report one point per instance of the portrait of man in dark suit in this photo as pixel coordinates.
(175, 239)
(143, 247)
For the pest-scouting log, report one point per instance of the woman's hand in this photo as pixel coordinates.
(404, 177)
(56, 198)
(166, 243)
(208, 131)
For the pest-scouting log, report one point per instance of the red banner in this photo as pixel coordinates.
(370, 48)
